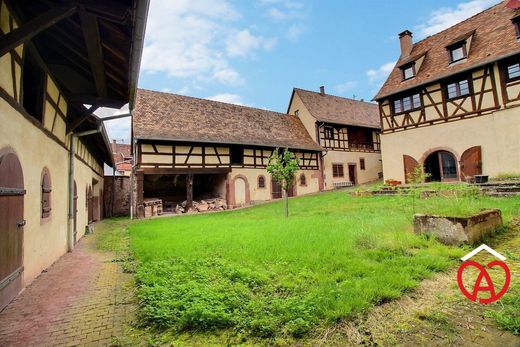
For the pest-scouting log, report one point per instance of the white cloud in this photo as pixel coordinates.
(446, 17)
(189, 39)
(243, 43)
(377, 76)
(295, 31)
(345, 87)
(227, 97)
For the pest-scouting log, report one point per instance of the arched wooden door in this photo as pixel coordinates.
(471, 162)
(11, 227)
(409, 167)
(75, 212)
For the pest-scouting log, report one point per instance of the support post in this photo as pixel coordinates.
(189, 190)
(70, 229)
(139, 198)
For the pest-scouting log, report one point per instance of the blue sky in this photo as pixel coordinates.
(254, 52)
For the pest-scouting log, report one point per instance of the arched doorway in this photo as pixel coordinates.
(441, 166)
(11, 227)
(240, 191)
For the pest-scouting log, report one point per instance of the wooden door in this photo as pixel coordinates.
(75, 212)
(471, 162)
(90, 205)
(352, 173)
(276, 190)
(409, 166)
(11, 228)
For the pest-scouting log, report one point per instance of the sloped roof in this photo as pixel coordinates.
(493, 38)
(338, 110)
(164, 116)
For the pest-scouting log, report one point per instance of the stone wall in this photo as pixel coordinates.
(121, 199)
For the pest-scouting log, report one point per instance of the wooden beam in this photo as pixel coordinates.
(98, 101)
(189, 190)
(81, 119)
(32, 28)
(184, 171)
(95, 52)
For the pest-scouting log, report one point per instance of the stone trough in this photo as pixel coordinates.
(459, 230)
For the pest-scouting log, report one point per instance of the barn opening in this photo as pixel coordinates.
(172, 189)
(441, 166)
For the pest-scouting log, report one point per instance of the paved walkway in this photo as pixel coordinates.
(82, 300)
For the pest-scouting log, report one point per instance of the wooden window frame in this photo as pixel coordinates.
(45, 194)
(457, 86)
(362, 164)
(406, 67)
(335, 171)
(297, 113)
(455, 46)
(400, 99)
(231, 161)
(506, 71)
(303, 182)
(261, 178)
(516, 23)
(326, 130)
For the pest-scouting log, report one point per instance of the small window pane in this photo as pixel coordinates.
(457, 53)
(452, 90)
(416, 101)
(513, 71)
(464, 87)
(397, 106)
(408, 72)
(407, 103)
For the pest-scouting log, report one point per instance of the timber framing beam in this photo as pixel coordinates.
(35, 26)
(184, 171)
(98, 101)
(95, 52)
(82, 118)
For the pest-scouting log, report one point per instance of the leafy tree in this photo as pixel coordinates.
(283, 167)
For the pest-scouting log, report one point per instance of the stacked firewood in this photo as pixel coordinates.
(216, 204)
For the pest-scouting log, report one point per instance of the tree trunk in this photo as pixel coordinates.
(286, 193)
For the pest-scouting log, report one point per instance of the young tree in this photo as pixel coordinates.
(283, 167)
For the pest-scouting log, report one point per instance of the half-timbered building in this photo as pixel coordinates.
(450, 103)
(347, 129)
(55, 58)
(188, 148)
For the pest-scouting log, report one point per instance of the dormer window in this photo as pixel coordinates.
(458, 52)
(329, 133)
(513, 72)
(516, 23)
(408, 71)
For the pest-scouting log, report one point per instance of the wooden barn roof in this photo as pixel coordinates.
(339, 110)
(163, 116)
(92, 48)
(493, 38)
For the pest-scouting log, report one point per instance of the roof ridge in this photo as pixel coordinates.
(215, 101)
(459, 23)
(336, 96)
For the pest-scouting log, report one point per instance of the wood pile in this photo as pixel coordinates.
(216, 204)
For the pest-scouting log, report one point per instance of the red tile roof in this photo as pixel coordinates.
(163, 116)
(339, 110)
(494, 37)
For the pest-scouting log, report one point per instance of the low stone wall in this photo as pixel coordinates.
(459, 230)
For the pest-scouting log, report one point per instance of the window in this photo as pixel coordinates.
(329, 133)
(362, 163)
(516, 23)
(458, 89)
(407, 103)
(513, 71)
(337, 170)
(303, 180)
(46, 194)
(408, 71)
(237, 156)
(458, 52)
(297, 113)
(261, 181)
(33, 80)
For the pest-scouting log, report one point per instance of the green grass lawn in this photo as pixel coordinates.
(252, 272)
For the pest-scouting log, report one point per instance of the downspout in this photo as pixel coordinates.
(132, 174)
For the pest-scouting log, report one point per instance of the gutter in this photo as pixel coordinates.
(141, 15)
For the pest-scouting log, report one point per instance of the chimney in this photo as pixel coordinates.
(322, 90)
(405, 38)
(114, 141)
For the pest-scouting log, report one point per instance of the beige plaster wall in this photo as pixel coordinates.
(372, 167)
(498, 134)
(308, 121)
